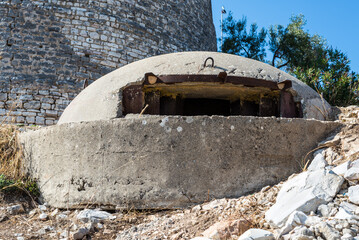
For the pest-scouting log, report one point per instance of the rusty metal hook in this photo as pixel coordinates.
(205, 62)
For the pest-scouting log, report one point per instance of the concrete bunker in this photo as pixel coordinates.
(171, 130)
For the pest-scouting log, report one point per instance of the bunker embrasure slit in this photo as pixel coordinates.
(195, 95)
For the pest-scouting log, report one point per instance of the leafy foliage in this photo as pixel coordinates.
(338, 85)
(19, 185)
(292, 46)
(248, 44)
(295, 50)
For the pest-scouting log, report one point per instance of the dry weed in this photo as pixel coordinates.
(10, 152)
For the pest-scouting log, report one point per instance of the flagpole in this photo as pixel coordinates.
(223, 11)
(222, 30)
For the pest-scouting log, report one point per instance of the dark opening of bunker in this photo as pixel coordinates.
(193, 95)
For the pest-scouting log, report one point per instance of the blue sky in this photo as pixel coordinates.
(336, 21)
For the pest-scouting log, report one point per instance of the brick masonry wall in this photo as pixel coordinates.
(48, 48)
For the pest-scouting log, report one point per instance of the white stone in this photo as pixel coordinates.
(352, 173)
(348, 231)
(342, 168)
(256, 234)
(61, 216)
(328, 232)
(300, 233)
(42, 207)
(347, 237)
(318, 163)
(349, 207)
(295, 219)
(43, 216)
(343, 214)
(54, 213)
(92, 215)
(213, 204)
(304, 192)
(200, 238)
(355, 164)
(312, 221)
(324, 210)
(353, 193)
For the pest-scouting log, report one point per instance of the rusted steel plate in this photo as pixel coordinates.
(133, 99)
(287, 105)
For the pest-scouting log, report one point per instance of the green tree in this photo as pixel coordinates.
(238, 41)
(334, 80)
(293, 47)
(295, 50)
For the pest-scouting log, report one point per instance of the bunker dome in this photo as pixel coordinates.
(173, 130)
(196, 83)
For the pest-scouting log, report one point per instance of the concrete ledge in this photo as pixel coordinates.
(165, 162)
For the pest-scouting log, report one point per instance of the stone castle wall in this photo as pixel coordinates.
(48, 48)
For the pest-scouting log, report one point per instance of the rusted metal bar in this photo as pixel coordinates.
(248, 82)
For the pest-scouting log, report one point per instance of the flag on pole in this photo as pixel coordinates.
(223, 10)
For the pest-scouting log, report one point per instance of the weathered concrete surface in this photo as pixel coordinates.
(165, 162)
(102, 100)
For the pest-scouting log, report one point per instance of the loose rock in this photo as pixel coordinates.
(342, 168)
(328, 232)
(256, 234)
(15, 209)
(353, 193)
(318, 163)
(304, 192)
(92, 215)
(224, 230)
(352, 174)
(80, 234)
(43, 216)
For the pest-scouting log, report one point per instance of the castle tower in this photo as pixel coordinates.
(50, 48)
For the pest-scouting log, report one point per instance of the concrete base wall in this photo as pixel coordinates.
(165, 162)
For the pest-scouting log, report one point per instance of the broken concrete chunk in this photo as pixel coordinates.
(328, 232)
(256, 234)
(353, 193)
(318, 163)
(304, 192)
(352, 174)
(342, 168)
(295, 219)
(92, 215)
